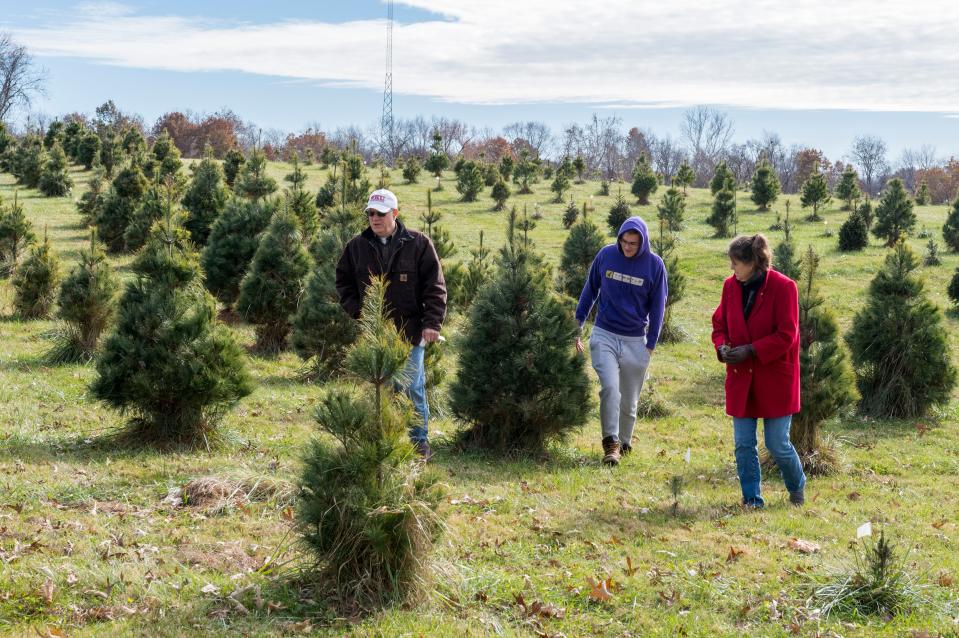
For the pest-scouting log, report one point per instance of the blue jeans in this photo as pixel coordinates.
(776, 433)
(415, 389)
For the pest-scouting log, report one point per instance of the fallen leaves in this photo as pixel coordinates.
(803, 546)
(734, 554)
(945, 580)
(46, 591)
(630, 570)
(538, 608)
(601, 590)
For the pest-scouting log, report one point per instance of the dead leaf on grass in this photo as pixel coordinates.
(854, 496)
(803, 547)
(630, 570)
(939, 524)
(734, 554)
(945, 580)
(601, 590)
(46, 591)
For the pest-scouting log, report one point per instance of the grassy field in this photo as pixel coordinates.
(94, 542)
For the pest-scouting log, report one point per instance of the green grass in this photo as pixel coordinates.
(90, 519)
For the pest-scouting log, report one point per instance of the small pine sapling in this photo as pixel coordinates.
(847, 188)
(205, 198)
(724, 214)
(55, 180)
(672, 209)
(895, 217)
(932, 257)
(922, 194)
(853, 234)
(765, 186)
(815, 193)
(665, 246)
(784, 255)
(618, 214)
(645, 182)
(723, 178)
(500, 193)
(411, 170)
(585, 239)
(950, 230)
(35, 282)
(685, 177)
(571, 214)
(16, 236)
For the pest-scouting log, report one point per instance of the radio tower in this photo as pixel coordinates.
(386, 123)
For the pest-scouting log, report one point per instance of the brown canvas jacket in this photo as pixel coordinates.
(416, 294)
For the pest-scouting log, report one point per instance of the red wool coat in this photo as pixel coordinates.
(766, 385)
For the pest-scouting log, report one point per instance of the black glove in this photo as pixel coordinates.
(739, 354)
(721, 352)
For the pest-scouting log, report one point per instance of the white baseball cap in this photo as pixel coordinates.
(382, 200)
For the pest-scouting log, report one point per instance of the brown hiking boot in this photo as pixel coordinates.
(611, 451)
(424, 450)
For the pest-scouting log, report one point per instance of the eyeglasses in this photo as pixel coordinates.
(371, 212)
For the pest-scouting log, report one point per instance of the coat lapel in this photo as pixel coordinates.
(738, 327)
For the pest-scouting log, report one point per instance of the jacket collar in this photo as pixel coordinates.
(401, 234)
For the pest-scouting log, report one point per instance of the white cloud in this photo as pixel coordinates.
(811, 54)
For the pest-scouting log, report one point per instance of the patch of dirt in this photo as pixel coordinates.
(228, 558)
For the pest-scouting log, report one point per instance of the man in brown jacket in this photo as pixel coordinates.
(415, 296)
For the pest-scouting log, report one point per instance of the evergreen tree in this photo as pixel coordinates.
(579, 165)
(685, 176)
(847, 188)
(133, 142)
(644, 180)
(205, 198)
(950, 230)
(469, 181)
(152, 208)
(354, 185)
(300, 201)
(329, 156)
(853, 234)
(119, 205)
(665, 247)
(55, 181)
(866, 212)
(826, 378)
(618, 214)
(327, 195)
(309, 157)
(724, 216)
(580, 248)
(411, 170)
(506, 165)
(16, 236)
(367, 510)
(28, 161)
(899, 346)
(88, 150)
(672, 208)
(165, 161)
(721, 178)
(86, 305)
(765, 186)
(438, 161)
(477, 274)
(111, 153)
(815, 193)
(73, 134)
(570, 214)
(561, 182)
(7, 142)
(445, 248)
(271, 288)
(895, 217)
(525, 172)
(168, 363)
(491, 174)
(953, 290)
(54, 134)
(232, 165)
(932, 257)
(253, 182)
(500, 193)
(784, 255)
(91, 201)
(322, 331)
(232, 243)
(35, 282)
(922, 193)
(604, 187)
(519, 384)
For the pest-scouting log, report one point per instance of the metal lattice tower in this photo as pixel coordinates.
(386, 122)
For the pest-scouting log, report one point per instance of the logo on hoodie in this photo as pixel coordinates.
(626, 279)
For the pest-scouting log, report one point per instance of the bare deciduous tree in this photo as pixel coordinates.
(868, 152)
(667, 156)
(707, 132)
(20, 80)
(536, 136)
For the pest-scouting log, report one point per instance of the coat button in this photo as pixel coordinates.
(750, 370)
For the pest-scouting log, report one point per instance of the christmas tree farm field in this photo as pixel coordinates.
(99, 538)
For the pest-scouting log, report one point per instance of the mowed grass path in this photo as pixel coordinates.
(91, 546)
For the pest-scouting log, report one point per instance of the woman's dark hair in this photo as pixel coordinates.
(751, 250)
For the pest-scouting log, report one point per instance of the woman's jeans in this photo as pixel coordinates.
(776, 433)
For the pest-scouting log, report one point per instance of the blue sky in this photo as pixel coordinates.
(818, 73)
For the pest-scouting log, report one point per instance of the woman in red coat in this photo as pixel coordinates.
(756, 334)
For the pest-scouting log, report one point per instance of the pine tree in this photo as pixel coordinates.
(119, 205)
(35, 282)
(922, 193)
(165, 161)
(672, 208)
(90, 203)
(300, 201)
(765, 186)
(469, 181)
(55, 181)
(152, 208)
(73, 133)
(618, 214)
(847, 188)
(953, 290)
(205, 198)
(899, 346)
(519, 384)
(445, 249)
(500, 193)
(506, 165)
(16, 236)
(579, 165)
(477, 274)
(367, 510)
(271, 288)
(86, 305)
(28, 161)
(232, 243)
(866, 212)
(721, 179)
(168, 363)
(232, 164)
(932, 257)
(111, 153)
(724, 214)
(491, 174)
(665, 247)
(561, 182)
(644, 180)
(88, 150)
(685, 176)
(826, 378)
(322, 331)
(853, 234)
(570, 214)
(604, 187)
(525, 172)
(411, 170)
(253, 182)
(950, 230)
(583, 242)
(815, 193)
(438, 161)
(895, 217)
(784, 255)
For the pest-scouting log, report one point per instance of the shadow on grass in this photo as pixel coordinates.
(703, 390)
(496, 467)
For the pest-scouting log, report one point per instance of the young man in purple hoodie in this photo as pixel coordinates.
(630, 282)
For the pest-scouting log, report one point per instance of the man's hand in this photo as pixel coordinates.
(649, 352)
(430, 335)
(739, 354)
(579, 344)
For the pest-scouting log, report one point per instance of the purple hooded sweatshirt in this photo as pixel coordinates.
(631, 290)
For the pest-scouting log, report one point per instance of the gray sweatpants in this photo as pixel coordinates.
(620, 363)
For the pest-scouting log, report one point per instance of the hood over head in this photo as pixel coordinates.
(637, 224)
